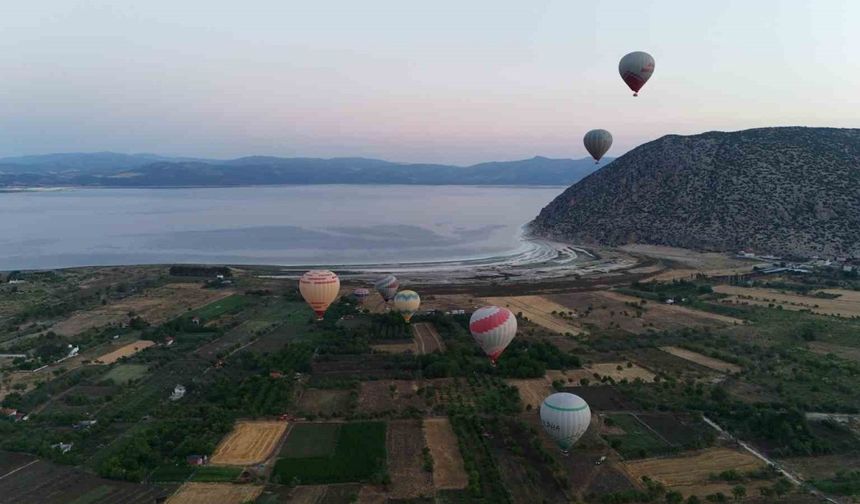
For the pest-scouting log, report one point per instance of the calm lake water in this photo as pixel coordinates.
(287, 225)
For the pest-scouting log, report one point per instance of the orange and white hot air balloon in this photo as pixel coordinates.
(319, 288)
(493, 328)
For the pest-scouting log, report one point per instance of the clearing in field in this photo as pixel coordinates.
(125, 373)
(325, 402)
(311, 440)
(449, 472)
(539, 310)
(124, 351)
(838, 302)
(379, 396)
(846, 352)
(394, 348)
(532, 390)
(405, 445)
(690, 473)
(154, 306)
(222, 493)
(606, 309)
(702, 360)
(250, 442)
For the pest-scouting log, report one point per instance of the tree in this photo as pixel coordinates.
(739, 492)
(674, 497)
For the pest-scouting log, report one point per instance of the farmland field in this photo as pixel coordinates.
(209, 493)
(219, 307)
(388, 395)
(532, 390)
(704, 360)
(325, 402)
(448, 470)
(311, 440)
(125, 351)
(405, 444)
(250, 442)
(637, 440)
(690, 473)
(844, 303)
(359, 455)
(125, 373)
(154, 306)
(538, 309)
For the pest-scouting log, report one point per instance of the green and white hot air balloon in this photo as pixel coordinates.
(565, 417)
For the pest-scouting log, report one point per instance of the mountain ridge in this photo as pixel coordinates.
(789, 191)
(149, 170)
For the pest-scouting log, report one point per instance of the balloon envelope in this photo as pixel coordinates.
(597, 142)
(565, 417)
(319, 288)
(387, 286)
(407, 303)
(360, 294)
(635, 69)
(493, 328)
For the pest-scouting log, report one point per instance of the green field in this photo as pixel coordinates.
(637, 441)
(125, 373)
(221, 307)
(311, 440)
(216, 474)
(358, 456)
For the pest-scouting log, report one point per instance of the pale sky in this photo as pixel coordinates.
(454, 81)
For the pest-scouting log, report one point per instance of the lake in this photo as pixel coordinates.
(282, 225)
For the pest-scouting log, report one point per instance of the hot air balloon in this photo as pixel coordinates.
(360, 294)
(565, 417)
(493, 328)
(597, 142)
(407, 302)
(636, 68)
(387, 287)
(319, 288)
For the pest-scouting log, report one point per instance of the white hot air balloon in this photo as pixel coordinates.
(319, 288)
(565, 417)
(635, 69)
(387, 287)
(493, 328)
(407, 303)
(597, 142)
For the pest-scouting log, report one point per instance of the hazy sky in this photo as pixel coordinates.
(444, 81)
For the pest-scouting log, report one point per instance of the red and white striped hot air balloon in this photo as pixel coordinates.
(635, 69)
(493, 328)
(319, 288)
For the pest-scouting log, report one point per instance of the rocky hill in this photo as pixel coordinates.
(786, 191)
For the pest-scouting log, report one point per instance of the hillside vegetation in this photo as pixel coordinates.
(785, 191)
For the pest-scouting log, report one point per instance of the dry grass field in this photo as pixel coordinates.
(448, 470)
(606, 309)
(703, 360)
(250, 442)
(846, 352)
(124, 351)
(388, 395)
(210, 493)
(532, 390)
(538, 309)
(325, 401)
(154, 306)
(847, 304)
(690, 473)
(611, 370)
(404, 443)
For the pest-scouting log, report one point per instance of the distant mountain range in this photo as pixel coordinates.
(784, 191)
(108, 169)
